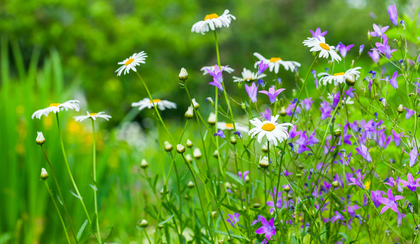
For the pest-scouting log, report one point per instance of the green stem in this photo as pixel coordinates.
(69, 171)
(94, 181)
(58, 211)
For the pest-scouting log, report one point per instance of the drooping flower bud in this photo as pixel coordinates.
(233, 140)
(143, 223)
(183, 74)
(264, 162)
(400, 109)
(168, 146)
(335, 183)
(180, 148)
(195, 104)
(44, 174)
(216, 154)
(189, 143)
(190, 113)
(40, 138)
(212, 119)
(287, 188)
(256, 205)
(190, 184)
(189, 158)
(197, 153)
(283, 112)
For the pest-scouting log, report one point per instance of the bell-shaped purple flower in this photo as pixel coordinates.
(363, 151)
(326, 110)
(217, 76)
(244, 175)
(307, 102)
(272, 93)
(317, 33)
(397, 137)
(252, 91)
(220, 133)
(233, 219)
(343, 49)
(374, 55)
(267, 228)
(409, 113)
(378, 31)
(390, 202)
(392, 12)
(411, 183)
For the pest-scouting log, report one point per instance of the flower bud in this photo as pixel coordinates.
(144, 164)
(160, 226)
(195, 104)
(283, 112)
(400, 109)
(289, 196)
(40, 138)
(189, 158)
(301, 166)
(143, 223)
(228, 185)
(167, 191)
(264, 148)
(256, 205)
(168, 146)
(350, 80)
(264, 162)
(233, 140)
(337, 133)
(189, 143)
(210, 100)
(335, 183)
(213, 214)
(183, 74)
(44, 174)
(212, 119)
(190, 184)
(190, 113)
(298, 175)
(369, 36)
(197, 153)
(180, 148)
(287, 188)
(216, 154)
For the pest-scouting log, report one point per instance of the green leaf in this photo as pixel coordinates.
(59, 200)
(83, 232)
(109, 235)
(235, 178)
(74, 194)
(163, 222)
(93, 187)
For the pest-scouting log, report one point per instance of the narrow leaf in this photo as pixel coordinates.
(163, 222)
(235, 178)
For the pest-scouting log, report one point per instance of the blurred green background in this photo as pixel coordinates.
(52, 51)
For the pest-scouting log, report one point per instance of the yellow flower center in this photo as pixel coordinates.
(229, 126)
(273, 60)
(268, 127)
(54, 104)
(324, 46)
(337, 74)
(93, 114)
(129, 61)
(211, 16)
(155, 101)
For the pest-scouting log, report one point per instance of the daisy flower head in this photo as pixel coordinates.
(229, 126)
(57, 107)
(339, 78)
(248, 75)
(212, 69)
(147, 103)
(93, 116)
(275, 62)
(213, 21)
(318, 44)
(130, 63)
(273, 131)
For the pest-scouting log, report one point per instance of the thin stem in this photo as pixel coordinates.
(69, 171)
(94, 181)
(58, 211)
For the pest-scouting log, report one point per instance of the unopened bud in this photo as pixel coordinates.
(287, 188)
(350, 80)
(298, 175)
(161, 191)
(160, 226)
(264, 148)
(213, 214)
(189, 143)
(197, 153)
(190, 184)
(335, 183)
(289, 196)
(228, 185)
(144, 223)
(301, 166)
(180, 148)
(256, 205)
(195, 104)
(216, 154)
(264, 162)
(337, 133)
(233, 140)
(369, 36)
(144, 164)
(190, 113)
(44, 174)
(400, 109)
(183, 74)
(212, 119)
(283, 112)
(210, 100)
(168, 146)
(189, 158)
(40, 138)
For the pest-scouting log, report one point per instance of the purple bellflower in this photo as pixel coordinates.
(397, 137)
(343, 49)
(267, 114)
(272, 93)
(375, 197)
(267, 228)
(291, 107)
(378, 31)
(326, 110)
(307, 102)
(393, 80)
(317, 33)
(243, 176)
(384, 48)
(383, 141)
(316, 79)
(374, 55)
(392, 12)
(361, 49)
(252, 91)
(262, 67)
(411, 183)
(220, 133)
(217, 76)
(390, 202)
(358, 181)
(409, 113)
(363, 151)
(352, 210)
(233, 219)
(414, 154)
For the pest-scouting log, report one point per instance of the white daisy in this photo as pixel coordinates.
(147, 103)
(211, 68)
(229, 126)
(213, 21)
(270, 129)
(92, 116)
(274, 63)
(346, 100)
(130, 63)
(248, 75)
(338, 78)
(57, 107)
(318, 44)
